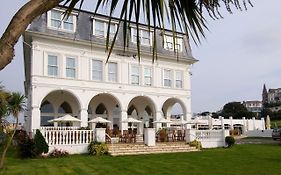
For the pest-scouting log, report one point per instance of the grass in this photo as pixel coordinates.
(275, 123)
(241, 159)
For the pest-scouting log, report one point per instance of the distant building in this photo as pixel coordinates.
(271, 96)
(253, 106)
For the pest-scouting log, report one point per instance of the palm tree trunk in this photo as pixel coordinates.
(18, 25)
(8, 144)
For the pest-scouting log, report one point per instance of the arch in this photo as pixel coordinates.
(148, 111)
(101, 109)
(56, 104)
(143, 101)
(46, 107)
(65, 108)
(107, 106)
(62, 91)
(132, 109)
(169, 104)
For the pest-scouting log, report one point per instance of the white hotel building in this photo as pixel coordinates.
(66, 72)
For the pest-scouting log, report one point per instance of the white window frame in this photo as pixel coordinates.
(137, 75)
(169, 39)
(62, 21)
(145, 76)
(57, 65)
(133, 40)
(71, 68)
(177, 80)
(170, 78)
(111, 73)
(92, 70)
(105, 23)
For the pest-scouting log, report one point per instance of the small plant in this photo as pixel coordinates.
(196, 143)
(40, 143)
(97, 148)
(230, 141)
(58, 153)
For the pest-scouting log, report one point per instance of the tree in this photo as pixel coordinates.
(41, 145)
(184, 15)
(236, 110)
(16, 104)
(4, 96)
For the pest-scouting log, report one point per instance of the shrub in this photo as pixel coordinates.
(230, 141)
(26, 145)
(40, 143)
(196, 143)
(58, 153)
(97, 148)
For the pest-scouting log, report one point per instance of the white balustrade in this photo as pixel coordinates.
(68, 137)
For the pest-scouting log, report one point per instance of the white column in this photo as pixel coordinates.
(35, 118)
(149, 136)
(262, 124)
(222, 123)
(231, 123)
(84, 117)
(190, 135)
(100, 135)
(244, 129)
(158, 117)
(254, 123)
(123, 125)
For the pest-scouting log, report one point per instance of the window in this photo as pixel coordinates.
(56, 19)
(112, 72)
(169, 43)
(97, 70)
(52, 65)
(144, 36)
(179, 79)
(100, 28)
(167, 78)
(135, 75)
(70, 68)
(147, 76)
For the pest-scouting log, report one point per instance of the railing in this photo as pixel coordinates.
(209, 134)
(68, 137)
(52, 128)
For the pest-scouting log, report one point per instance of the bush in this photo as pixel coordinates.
(58, 153)
(230, 141)
(26, 145)
(40, 143)
(97, 148)
(196, 143)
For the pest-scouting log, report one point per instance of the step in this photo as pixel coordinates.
(135, 149)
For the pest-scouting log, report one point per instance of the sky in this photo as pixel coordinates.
(240, 53)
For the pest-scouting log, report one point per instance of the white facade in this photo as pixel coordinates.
(71, 76)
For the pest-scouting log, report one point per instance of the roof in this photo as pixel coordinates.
(84, 33)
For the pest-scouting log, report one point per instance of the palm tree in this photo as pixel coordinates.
(16, 104)
(184, 15)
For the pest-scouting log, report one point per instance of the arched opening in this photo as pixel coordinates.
(174, 109)
(106, 106)
(64, 108)
(141, 108)
(57, 104)
(47, 113)
(101, 109)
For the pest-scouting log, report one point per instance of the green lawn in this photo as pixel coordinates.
(239, 160)
(275, 123)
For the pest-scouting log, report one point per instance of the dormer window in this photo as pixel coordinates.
(169, 43)
(145, 37)
(57, 20)
(100, 28)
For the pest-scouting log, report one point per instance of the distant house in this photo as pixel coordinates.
(253, 106)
